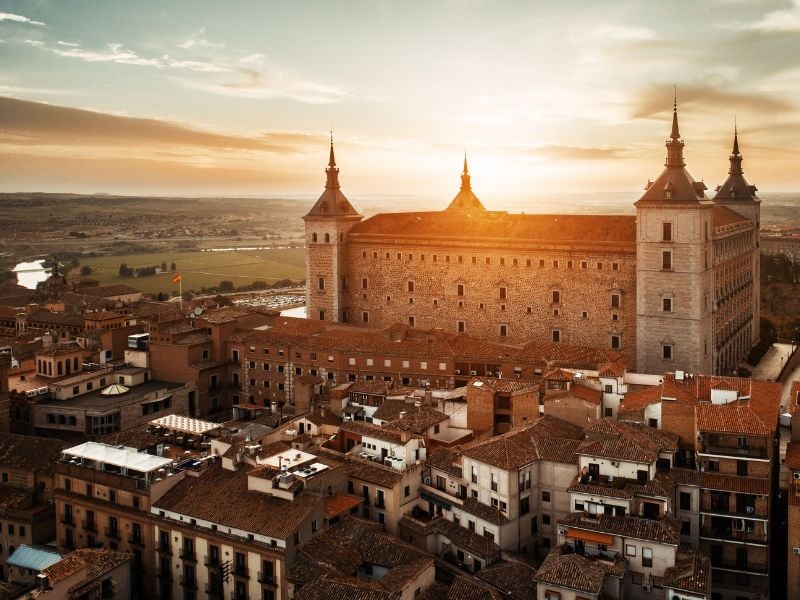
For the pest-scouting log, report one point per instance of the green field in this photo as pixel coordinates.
(202, 269)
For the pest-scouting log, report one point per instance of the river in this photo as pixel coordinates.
(29, 274)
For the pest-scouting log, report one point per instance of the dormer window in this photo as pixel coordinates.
(667, 194)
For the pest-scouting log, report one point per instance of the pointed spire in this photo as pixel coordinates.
(735, 137)
(332, 161)
(675, 135)
(465, 183)
(736, 157)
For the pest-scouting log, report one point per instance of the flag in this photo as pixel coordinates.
(176, 278)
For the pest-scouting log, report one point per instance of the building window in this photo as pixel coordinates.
(365, 317)
(545, 496)
(503, 293)
(545, 519)
(410, 287)
(685, 500)
(503, 330)
(556, 297)
(666, 232)
(460, 289)
(615, 300)
(630, 550)
(666, 351)
(666, 304)
(556, 333)
(321, 283)
(615, 342)
(666, 260)
(461, 327)
(411, 321)
(647, 557)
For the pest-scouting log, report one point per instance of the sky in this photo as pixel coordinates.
(547, 98)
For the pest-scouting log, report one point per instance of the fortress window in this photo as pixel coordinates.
(556, 333)
(528, 263)
(365, 317)
(434, 258)
(460, 289)
(556, 296)
(447, 259)
(502, 293)
(363, 283)
(364, 254)
(569, 264)
(615, 316)
(503, 330)
(399, 256)
(410, 287)
(502, 262)
(321, 283)
(474, 260)
(515, 262)
(556, 312)
(411, 301)
(666, 260)
(555, 264)
(410, 257)
(460, 260)
(461, 327)
(327, 238)
(481, 305)
(615, 342)
(530, 310)
(541, 263)
(615, 300)
(666, 232)
(599, 266)
(344, 283)
(388, 299)
(422, 257)
(488, 260)
(387, 255)
(666, 351)
(460, 304)
(502, 307)
(584, 314)
(615, 266)
(666, 304)
(313, 237)
(584, 264)
(435, 302)
(374, 255)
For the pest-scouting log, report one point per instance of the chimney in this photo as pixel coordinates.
(405, 436)
(428, 397)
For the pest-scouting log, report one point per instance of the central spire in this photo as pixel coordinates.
(465, 179)
(675, 143)
(332, 171)
(736, 157)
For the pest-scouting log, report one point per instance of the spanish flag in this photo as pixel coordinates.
(176, 278)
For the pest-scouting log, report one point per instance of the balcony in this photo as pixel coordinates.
(591, 552)
(734, 535)
(747, 452)
(136, 540)
(211, 562)
(113, 533)
(267, 578)
(190, 583)
(241, 571)
(215, 590)
(741, 567)
(164, 547)
(380, 503)
(455, 497)
(188, 554)
(239, 595)
(90, 525)
(727, 509)
(68, 520)
(164, 575)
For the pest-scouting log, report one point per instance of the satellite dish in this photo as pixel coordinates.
(198, 311)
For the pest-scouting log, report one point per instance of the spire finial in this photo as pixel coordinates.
(332, 161)
(466, 171)
(735, 136)
(675, 135)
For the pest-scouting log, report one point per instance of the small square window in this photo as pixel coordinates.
(556, 335)
(666, 304)
(666, 351)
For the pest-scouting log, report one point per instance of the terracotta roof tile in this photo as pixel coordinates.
(735, 483)
(467, 588)
(513, 579)
(691, 573)
(340, 503)
(572, 571)
(664, 531)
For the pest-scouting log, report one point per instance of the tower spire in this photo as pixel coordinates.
(332, 171)
(675, 135)
(736, 157)
(735, 137)
(465, 178)
(332, 161)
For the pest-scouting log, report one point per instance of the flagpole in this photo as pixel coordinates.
(180, 288)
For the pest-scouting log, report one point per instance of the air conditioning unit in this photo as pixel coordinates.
(646, 587)
(426, 480)
(473, 372)
(614, 463)
(796, 550)
(458, 371)
(796, 475)
(562, 532)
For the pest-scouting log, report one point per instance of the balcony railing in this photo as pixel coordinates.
(749, 452)
(734, 534)
(241, 571)
(734, 565)
(268, 577)
(68, 520)
(136, 540)
(164, 547)
(113, 532)
(211, 561)
(188, 554)
(90, 525)
(189, 582)
(456, 497)
(165, 575)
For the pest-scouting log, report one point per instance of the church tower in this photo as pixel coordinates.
(674, 271)
(739, 196)
(326, 227)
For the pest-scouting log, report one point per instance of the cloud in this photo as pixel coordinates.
(560, 152)
(33, 42)
(625, 33)
(784, 20)
(70, 44)
(116, 53)
(655, 100)
(19, 19)
(197, 40)
(33, 123)
(267, 84)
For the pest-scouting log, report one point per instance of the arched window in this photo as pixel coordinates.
(327, 238)
(313, 237)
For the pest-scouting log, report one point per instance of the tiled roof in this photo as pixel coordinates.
(340, 503)
(96, 563)
(380, 388)
(405, 416)
(641, 398)
(523, 446)
(221, 496)
(326, 588)
(446, 459)
(722, 216)
(322, 416)
(691, 573)
(736, 417)
(484, 511)
(467, 588)
(36, 559)
(504, 384)
(735, 483)
(27, 452)
(586, 393)
(497, 225)
(372, 473)
(571, 571)
(621, 448)
(514, 579)
(685, 476)
(370, 430)
(467, 539)
(793, 456)
(612, 369)
(664, 531)
(558, 375)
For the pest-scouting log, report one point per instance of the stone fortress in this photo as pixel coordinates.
(674, 287)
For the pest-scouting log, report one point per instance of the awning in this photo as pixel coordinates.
(436, 500)
(590, 536)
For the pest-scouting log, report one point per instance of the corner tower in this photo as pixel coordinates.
(326, 227)
(740, 197)
(674, 274)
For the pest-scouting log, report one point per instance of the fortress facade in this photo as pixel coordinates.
(673, 288)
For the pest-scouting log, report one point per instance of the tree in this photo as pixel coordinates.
(86, 270)
(225, 286)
